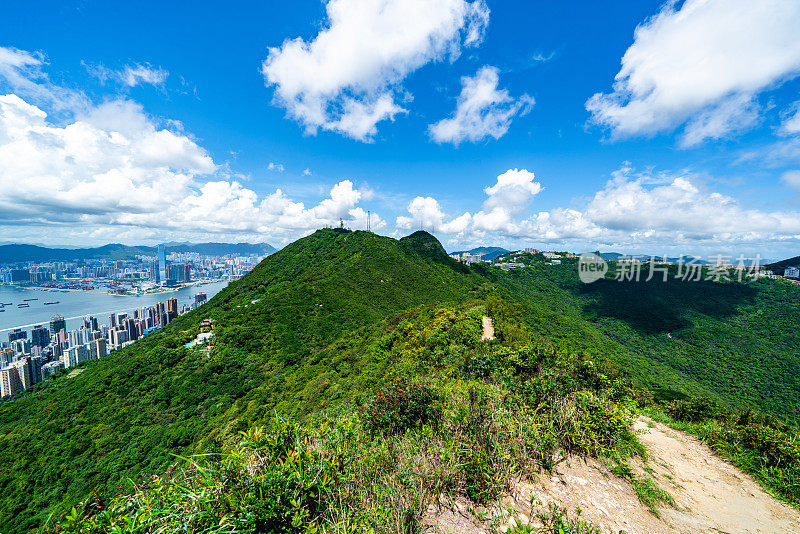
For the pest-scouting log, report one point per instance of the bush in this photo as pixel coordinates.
(694, 410)
(403, 405)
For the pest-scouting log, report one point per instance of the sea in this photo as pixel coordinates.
(74, 305)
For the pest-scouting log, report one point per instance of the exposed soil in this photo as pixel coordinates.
(711, 496)
(488, 329)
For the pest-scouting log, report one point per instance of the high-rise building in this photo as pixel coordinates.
(90, 323)
(16, 334)
(9, 381)
(57, 324)
(40, 336)
(187, 273)
(162, 263)
(36, 363)
(200, 298)
(20, 275)
(154, 272)
(112, 320)
(172, 305)
(75, 355)
(97, 349)
(76, 337)
(15, 378)
(6, 357)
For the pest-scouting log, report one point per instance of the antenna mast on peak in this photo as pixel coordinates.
(369, 214)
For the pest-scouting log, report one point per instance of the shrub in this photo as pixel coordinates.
(694, 410)
(402, 405)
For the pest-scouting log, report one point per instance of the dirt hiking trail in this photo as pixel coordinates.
(711, 496)
(488, 329)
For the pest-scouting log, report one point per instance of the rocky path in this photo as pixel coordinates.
(711, 496)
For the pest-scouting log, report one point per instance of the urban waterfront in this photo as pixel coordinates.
(74, 305)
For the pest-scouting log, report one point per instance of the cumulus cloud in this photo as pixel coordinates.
(630, 210)
(278, 167)
(482, 110)
(347, 79)
(113, 168)
(701, 64)
(426, 214)
(507, 199)
(110, 171)
(130, 75)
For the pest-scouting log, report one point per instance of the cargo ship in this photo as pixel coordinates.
(47, 303)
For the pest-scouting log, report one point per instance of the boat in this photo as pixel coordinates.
(23, 305)
(56, 302)
(2, 309)
(26, 300)
(6, 303)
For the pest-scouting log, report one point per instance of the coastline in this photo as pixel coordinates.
(166, 290)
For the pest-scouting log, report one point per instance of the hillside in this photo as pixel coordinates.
(734, 342)
(341, 333)
(15, 253)
(126, 415)
(779, 266)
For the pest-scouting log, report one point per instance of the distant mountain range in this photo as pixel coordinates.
(489, 253)
(15, 253)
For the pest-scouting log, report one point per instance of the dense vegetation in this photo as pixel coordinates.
(367, 346)
(483, 413)
(735, 342)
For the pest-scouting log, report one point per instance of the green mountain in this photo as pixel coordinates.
(18, 253)
(376, 342)
(124, 416)
(779, 266)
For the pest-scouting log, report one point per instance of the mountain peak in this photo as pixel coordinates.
(424, 240)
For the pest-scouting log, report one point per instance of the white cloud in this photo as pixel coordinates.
(22, 73)
(481, 111)
(130, 75)
(426, 214)
(113, 168)
(792, 179)
(306, 172)
(632, 210)
(347, 78)
(110, 172)
(791, 120)
(507, 200)
(702, 65)
(278, 167)
(133, 75)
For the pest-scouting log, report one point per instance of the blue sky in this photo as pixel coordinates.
(474, 120)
